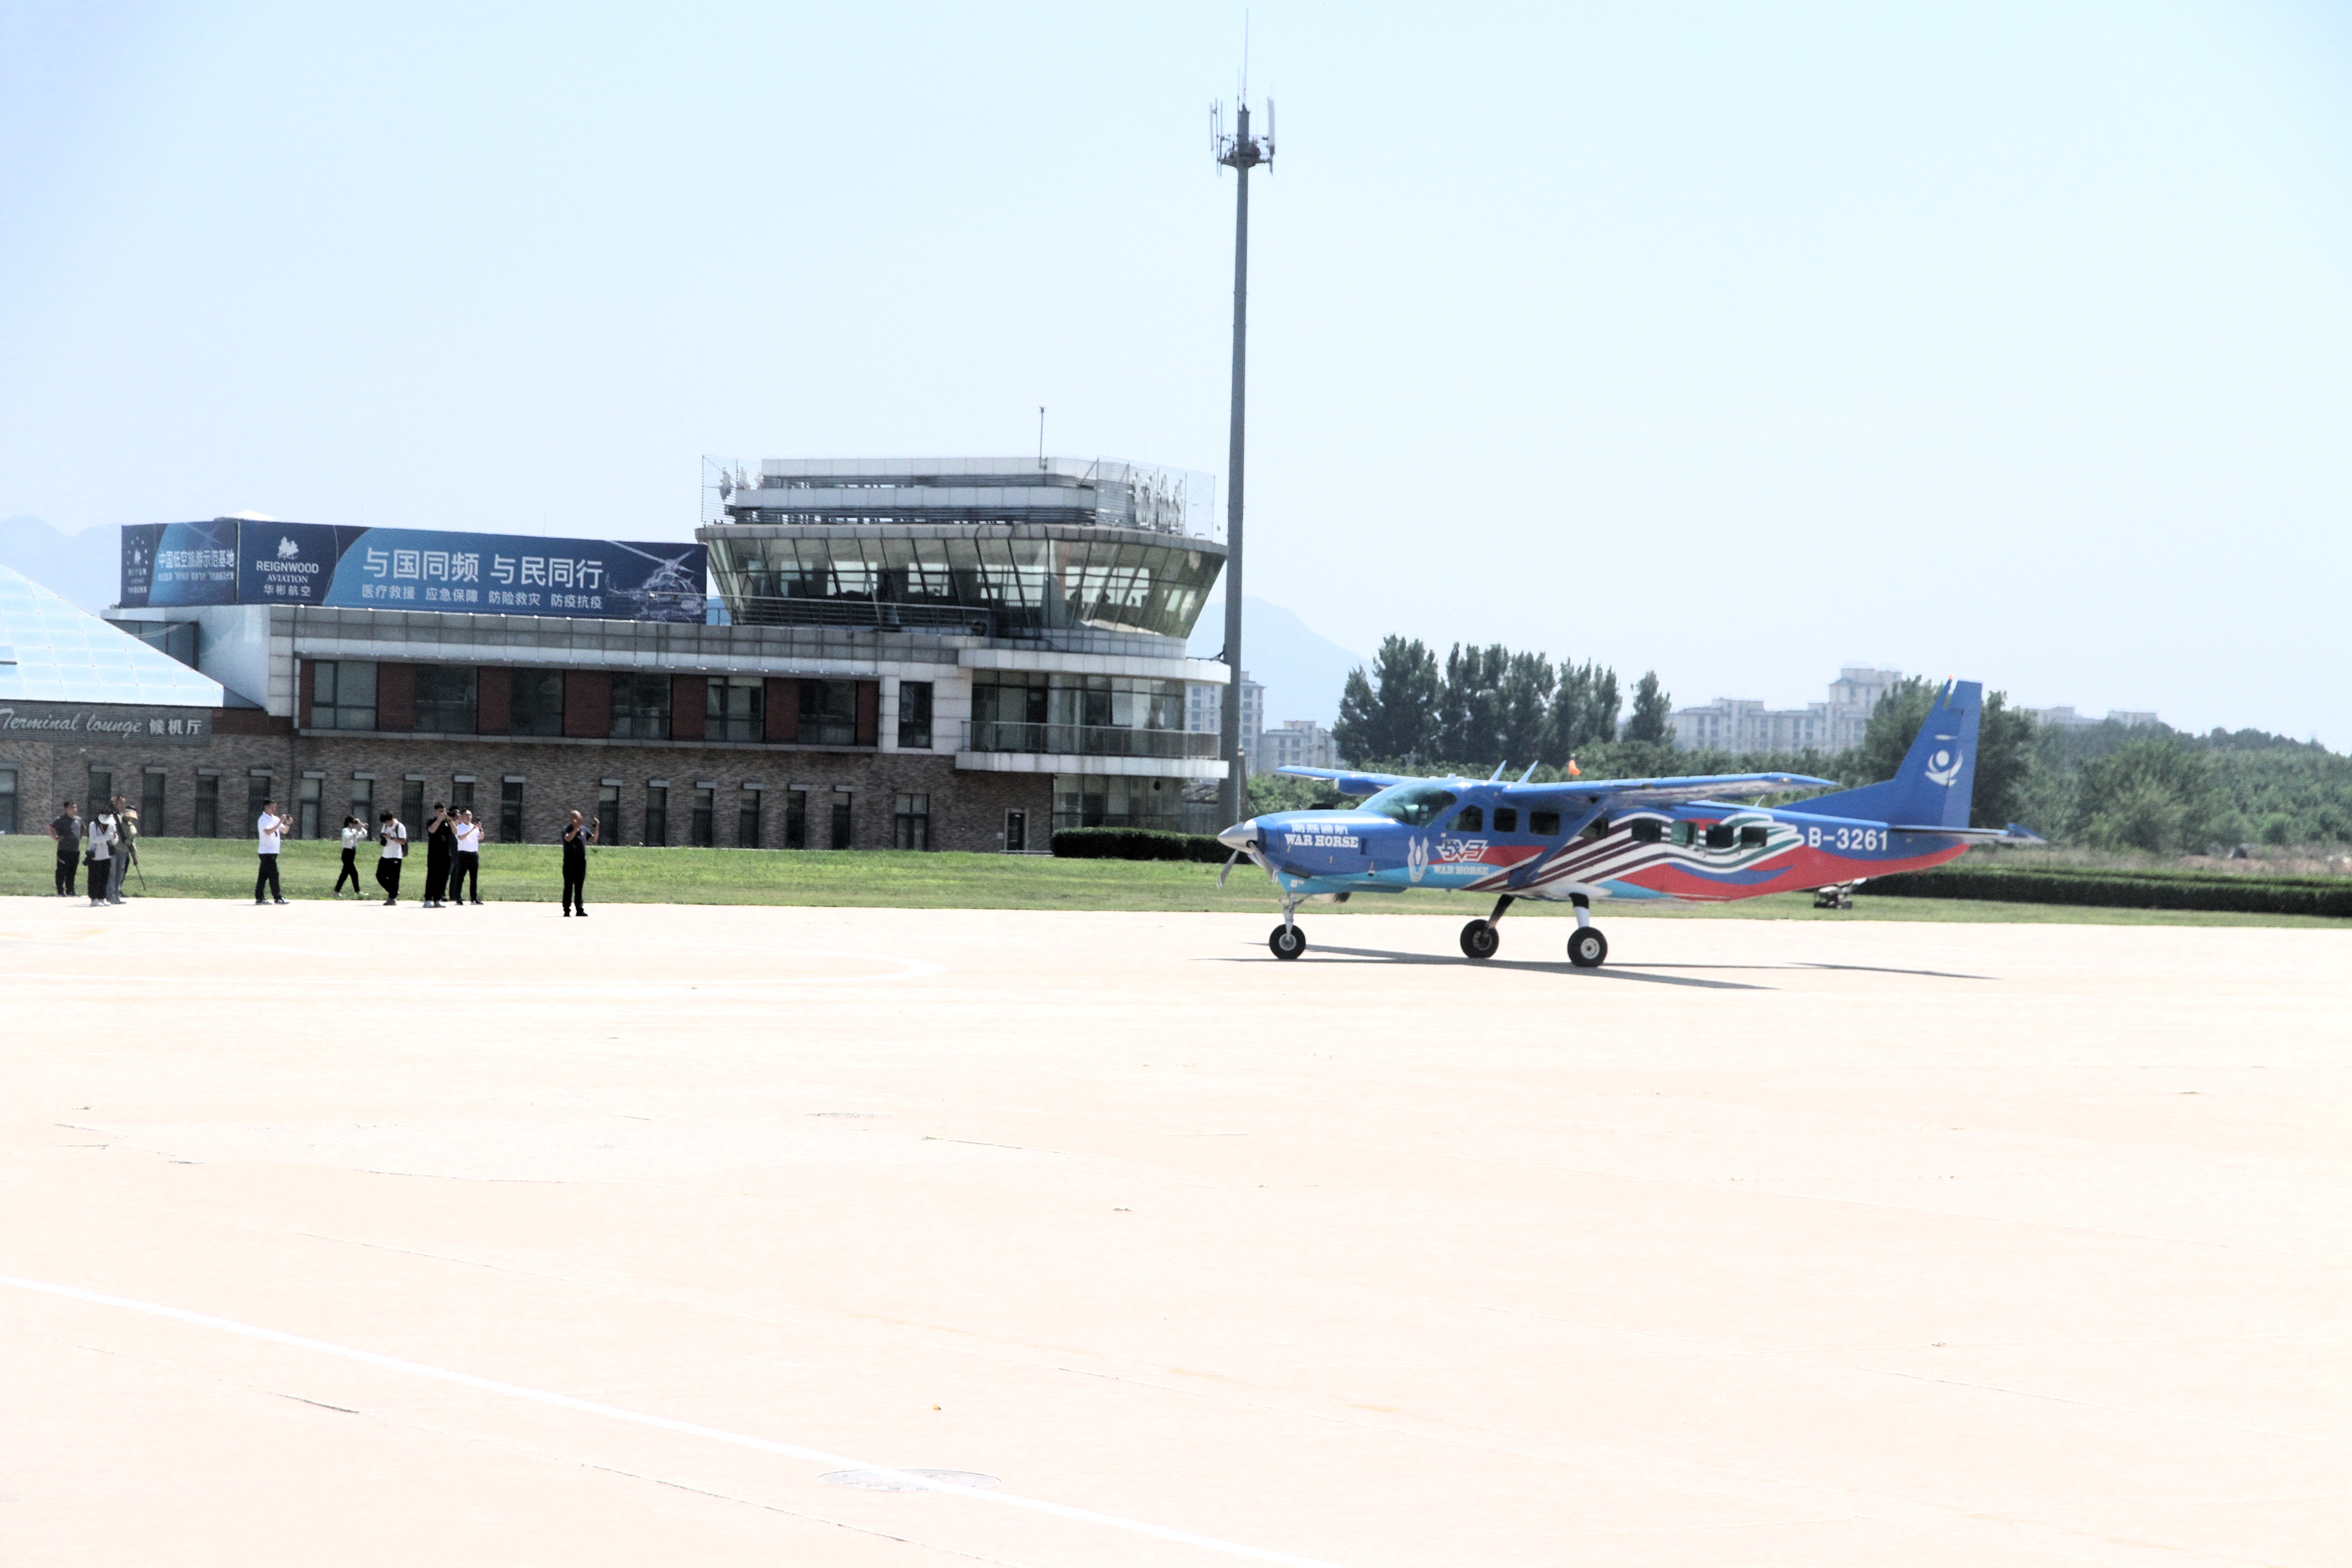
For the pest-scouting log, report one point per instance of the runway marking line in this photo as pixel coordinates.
(912, 1480)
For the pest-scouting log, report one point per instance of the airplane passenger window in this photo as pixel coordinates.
(1755, 836)
(1414, 805)
(1683, 832)
(1544, 824)
(1506, 819)
(1472, 820)
(1721, 835)
(1648, 830)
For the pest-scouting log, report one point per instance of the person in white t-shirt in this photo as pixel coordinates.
(269, 827)
(354, 830)
(391, 836)
(467, 871)
(99, 839)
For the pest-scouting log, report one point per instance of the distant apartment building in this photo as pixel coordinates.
(1204, 709)
(2067, 719)
(1300, 744)
(1745, 724)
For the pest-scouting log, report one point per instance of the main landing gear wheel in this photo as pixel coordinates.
(1288, 942)
(1587, 948)
(1480, 939)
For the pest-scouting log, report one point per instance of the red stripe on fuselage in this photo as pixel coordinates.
(1801, 869)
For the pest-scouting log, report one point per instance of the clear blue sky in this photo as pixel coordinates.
(1738, 341)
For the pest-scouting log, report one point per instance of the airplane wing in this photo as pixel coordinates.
(1662, 791)
(1346, 780)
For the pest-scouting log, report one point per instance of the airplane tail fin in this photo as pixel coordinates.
(1937, 779)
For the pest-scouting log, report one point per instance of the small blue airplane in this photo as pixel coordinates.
(1676, 839)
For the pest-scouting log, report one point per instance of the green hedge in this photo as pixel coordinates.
(2127, 891)
(1135, 844)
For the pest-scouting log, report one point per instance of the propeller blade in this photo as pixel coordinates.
(1227, 868)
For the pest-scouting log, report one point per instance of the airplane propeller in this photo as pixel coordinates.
(1227, 868)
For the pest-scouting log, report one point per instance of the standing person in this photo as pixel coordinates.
(353, 831)
(268, 829)
(577, 836)
(66, 828)
(126, 858)
(99, 837)
(466, 869)
(440, 848)
(391, 838)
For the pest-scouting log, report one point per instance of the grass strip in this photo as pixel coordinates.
(223, 868)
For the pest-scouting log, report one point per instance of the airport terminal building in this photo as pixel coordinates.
(946, 654)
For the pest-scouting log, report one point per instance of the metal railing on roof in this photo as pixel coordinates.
(1085, 740)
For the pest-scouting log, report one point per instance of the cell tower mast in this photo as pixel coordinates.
(1240, 152)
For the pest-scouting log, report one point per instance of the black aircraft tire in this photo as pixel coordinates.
(1480, 939)
(1288, 942)
(1587, 948)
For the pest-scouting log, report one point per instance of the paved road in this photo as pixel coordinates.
(502, 1238)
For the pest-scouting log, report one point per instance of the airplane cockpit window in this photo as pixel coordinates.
(1506, 819)
(1544, 824)
(1473, 820)
(1414, 805)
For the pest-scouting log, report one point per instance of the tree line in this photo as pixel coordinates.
(1489, 705)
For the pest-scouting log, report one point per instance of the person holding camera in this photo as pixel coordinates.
(66, 828)
(269, 829)
(466, 869)
(353, 831)
(440, 845)
(577, 836)
(391, 848)
(98, 839)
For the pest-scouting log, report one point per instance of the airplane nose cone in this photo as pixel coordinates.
(1239, 836)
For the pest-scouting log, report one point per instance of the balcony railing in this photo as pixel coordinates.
(1085, 740)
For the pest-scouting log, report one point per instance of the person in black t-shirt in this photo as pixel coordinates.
(577, 836)
(66, 828)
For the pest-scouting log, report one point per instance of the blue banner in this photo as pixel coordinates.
(231, 562)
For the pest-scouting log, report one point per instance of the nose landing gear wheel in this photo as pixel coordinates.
(1587, 948)
(1288, 942)
(1480, 939)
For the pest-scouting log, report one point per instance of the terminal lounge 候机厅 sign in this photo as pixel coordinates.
(239, 560)
(69, 721)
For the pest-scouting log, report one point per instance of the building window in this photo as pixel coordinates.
(152, 820)
(461, 794)
(657, 815)
(445, 699)
(699, 827)
(101, 793)
(1016, 833)
(1087, 800)
(208, 823)
(259, 788)
(796, 819)
(363, 802)
(747, 821)
(911, 822)
(914, 715)
(640, 706)
(7, 800)
(412, 805)
(828, 712)
(306, 817)
(342, 695)
(608, 814)
(842, 821)
(537, 703)
(734, 707)
(511, 812)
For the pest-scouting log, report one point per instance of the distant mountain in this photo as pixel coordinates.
(1303, 671)
(84, 569)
